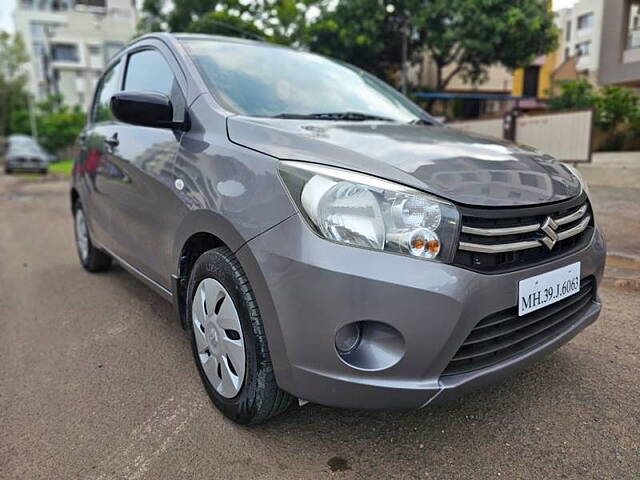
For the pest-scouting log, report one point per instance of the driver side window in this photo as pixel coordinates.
(148, 71)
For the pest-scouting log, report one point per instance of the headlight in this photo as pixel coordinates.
(363, 211)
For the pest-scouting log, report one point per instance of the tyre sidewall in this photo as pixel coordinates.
(243, 407)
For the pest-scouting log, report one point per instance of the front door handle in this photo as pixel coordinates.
(112, 141)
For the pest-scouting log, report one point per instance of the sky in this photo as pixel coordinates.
(7, 6)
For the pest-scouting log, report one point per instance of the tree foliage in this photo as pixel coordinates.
(13, 79)
(574, 94)
(58, 125)
(616, 107)
(471, 35)
(280, 21)
(467, 36)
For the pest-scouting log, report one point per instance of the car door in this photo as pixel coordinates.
(144, 201)
(94, 163)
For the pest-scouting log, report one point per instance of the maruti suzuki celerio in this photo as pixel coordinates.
(320, 236)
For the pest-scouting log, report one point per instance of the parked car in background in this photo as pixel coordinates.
(25, 155)
(320, 236)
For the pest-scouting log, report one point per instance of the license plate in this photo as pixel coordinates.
(540, 291)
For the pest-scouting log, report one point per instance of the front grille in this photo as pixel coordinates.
(504, 334)
(500, 240)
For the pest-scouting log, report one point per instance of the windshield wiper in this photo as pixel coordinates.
(345, 116)
(421, 121)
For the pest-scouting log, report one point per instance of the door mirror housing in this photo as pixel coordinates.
(147, 109)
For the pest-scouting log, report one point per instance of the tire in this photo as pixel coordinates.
(256, 396)
(7, 170)
(92, 259)
(44, 171)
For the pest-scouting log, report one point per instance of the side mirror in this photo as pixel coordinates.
(147, 109)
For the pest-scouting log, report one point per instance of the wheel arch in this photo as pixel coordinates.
(200, 231)
(204, 230)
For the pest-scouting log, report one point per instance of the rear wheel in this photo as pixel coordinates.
(92, 259)
(7, 170)
(228, 341)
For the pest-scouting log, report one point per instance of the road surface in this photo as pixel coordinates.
(97, 381)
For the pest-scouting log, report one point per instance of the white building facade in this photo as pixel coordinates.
(69, 42)
(581, 36)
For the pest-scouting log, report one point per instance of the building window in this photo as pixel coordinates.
(568, 31)
(95, 57)
(65, 52)
(633, 40)
(583, 49)
(89, 4)
(567, 52)
(585, 21)
(530, 85)
(40, 30)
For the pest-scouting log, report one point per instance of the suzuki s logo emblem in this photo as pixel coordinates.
(549, 228)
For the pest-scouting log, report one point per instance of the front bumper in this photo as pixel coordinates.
(25, 165)
(308, 288)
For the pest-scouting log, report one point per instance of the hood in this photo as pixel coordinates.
(464, 168)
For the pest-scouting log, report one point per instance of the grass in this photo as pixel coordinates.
(63, 168)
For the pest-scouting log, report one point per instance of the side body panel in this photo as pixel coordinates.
(229, 191)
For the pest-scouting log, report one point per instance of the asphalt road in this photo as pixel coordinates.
(97, 381)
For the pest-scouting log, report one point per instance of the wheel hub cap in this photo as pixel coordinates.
(82, 236)
(219, 339)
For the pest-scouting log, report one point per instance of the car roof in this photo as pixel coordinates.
(172, 37)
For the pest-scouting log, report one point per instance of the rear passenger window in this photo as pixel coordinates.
(108, 86)
(147, 71)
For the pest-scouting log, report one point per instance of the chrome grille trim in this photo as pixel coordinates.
(581, 227)
(496, 232)
(522, 229)
(577, 215)
(501, 248)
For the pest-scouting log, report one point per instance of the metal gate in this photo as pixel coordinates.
(566, 135)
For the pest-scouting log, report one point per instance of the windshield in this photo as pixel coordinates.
(264, 80)
(24, 147)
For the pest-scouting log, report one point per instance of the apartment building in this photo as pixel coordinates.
(581, 37)
(69, 42)
(620, 55)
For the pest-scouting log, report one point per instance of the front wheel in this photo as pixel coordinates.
(92, 259)
(228, 341)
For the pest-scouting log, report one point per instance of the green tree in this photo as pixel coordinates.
(467, 36)
(281, 21)
(617, 108)
(223, 22)
(574, 94)
(58, 124)
(471, 35)
(13, 79)
(364, 33)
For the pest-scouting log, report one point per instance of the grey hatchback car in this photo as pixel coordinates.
(320, 236)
